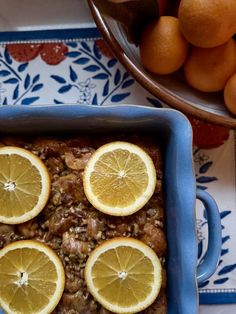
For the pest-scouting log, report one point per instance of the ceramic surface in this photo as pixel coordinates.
(173, 129)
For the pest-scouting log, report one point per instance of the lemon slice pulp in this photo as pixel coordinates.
(119, 178)
(124, 275)
(24, 185)
(32, 278)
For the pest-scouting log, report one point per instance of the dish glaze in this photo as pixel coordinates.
(173, 129)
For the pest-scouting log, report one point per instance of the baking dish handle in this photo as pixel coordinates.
(211, 258)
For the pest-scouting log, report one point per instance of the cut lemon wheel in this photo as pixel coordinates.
(32, 278)
(24, 185)
(119, 178)
(124, 275)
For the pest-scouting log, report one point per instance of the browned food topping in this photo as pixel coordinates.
(73, 228)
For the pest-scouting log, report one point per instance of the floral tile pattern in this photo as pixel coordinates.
(215, 172)
(86, 72)
(59, 73)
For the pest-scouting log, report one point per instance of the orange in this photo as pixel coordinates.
(163, 49)
(230, 94)
(207, 23)
(208, 69)
(32, 278)
(124, 275)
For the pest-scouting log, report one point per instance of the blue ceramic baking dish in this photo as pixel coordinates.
(174, 130)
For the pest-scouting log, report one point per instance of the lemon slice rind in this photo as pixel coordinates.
(45, 180)
(60, 284)
(139, 202)
(113, 244)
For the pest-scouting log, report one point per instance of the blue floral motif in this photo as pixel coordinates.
(2, 92)
(84, 60)
(202, 160)
(114, 83)
(85, 92)
(7, 70)
(203, 166)
(154, 102)
(24, 86)
(22, 67)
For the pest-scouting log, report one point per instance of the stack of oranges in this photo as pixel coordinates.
(199, 41)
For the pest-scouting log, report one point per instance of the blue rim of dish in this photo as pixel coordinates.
(67, 35)
(180, 153)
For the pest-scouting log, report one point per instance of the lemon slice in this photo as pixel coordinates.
(124, 275)
(24, 185)
(32, 278)
(119, 178)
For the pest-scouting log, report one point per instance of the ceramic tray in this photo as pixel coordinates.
(174, 131)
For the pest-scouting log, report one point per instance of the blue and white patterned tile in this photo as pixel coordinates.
(87, 73)
(215, 172)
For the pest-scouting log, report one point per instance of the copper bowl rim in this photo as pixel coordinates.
(153, 87)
